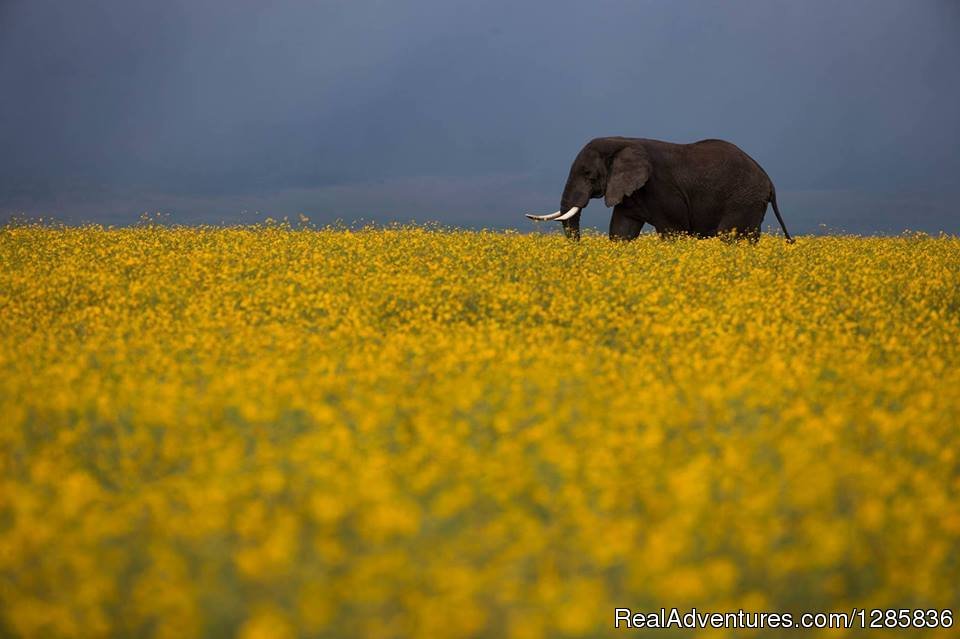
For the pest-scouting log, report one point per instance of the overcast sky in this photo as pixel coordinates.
(469, 112)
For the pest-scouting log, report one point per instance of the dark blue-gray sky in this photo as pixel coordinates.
(468, 112)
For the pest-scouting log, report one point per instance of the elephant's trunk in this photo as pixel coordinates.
(576, 195)
(571, 227)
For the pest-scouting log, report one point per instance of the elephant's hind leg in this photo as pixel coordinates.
(624, 226)
(734, 234)
(743, 224)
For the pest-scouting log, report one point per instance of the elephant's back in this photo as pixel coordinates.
(720, 149)
(726, 149)
(725, 163)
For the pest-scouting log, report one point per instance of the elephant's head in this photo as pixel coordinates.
(609, 167)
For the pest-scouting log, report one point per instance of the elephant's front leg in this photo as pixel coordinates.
(625, 224)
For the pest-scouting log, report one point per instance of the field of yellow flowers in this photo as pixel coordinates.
(410, 432)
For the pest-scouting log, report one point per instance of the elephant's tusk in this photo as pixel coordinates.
(543, 218)
(566, 216)
(559, 215)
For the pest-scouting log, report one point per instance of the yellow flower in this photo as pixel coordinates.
(274, 431)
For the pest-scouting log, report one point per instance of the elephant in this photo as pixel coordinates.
(704, 189)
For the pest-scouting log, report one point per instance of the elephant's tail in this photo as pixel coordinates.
(776, 210)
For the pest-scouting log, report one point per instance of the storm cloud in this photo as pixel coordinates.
(468, 113)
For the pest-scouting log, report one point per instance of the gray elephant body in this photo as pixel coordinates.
(704, 189)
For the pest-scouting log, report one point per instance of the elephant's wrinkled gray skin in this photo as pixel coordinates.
(703, 189)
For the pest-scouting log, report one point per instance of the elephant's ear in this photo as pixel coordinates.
(630, 170)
